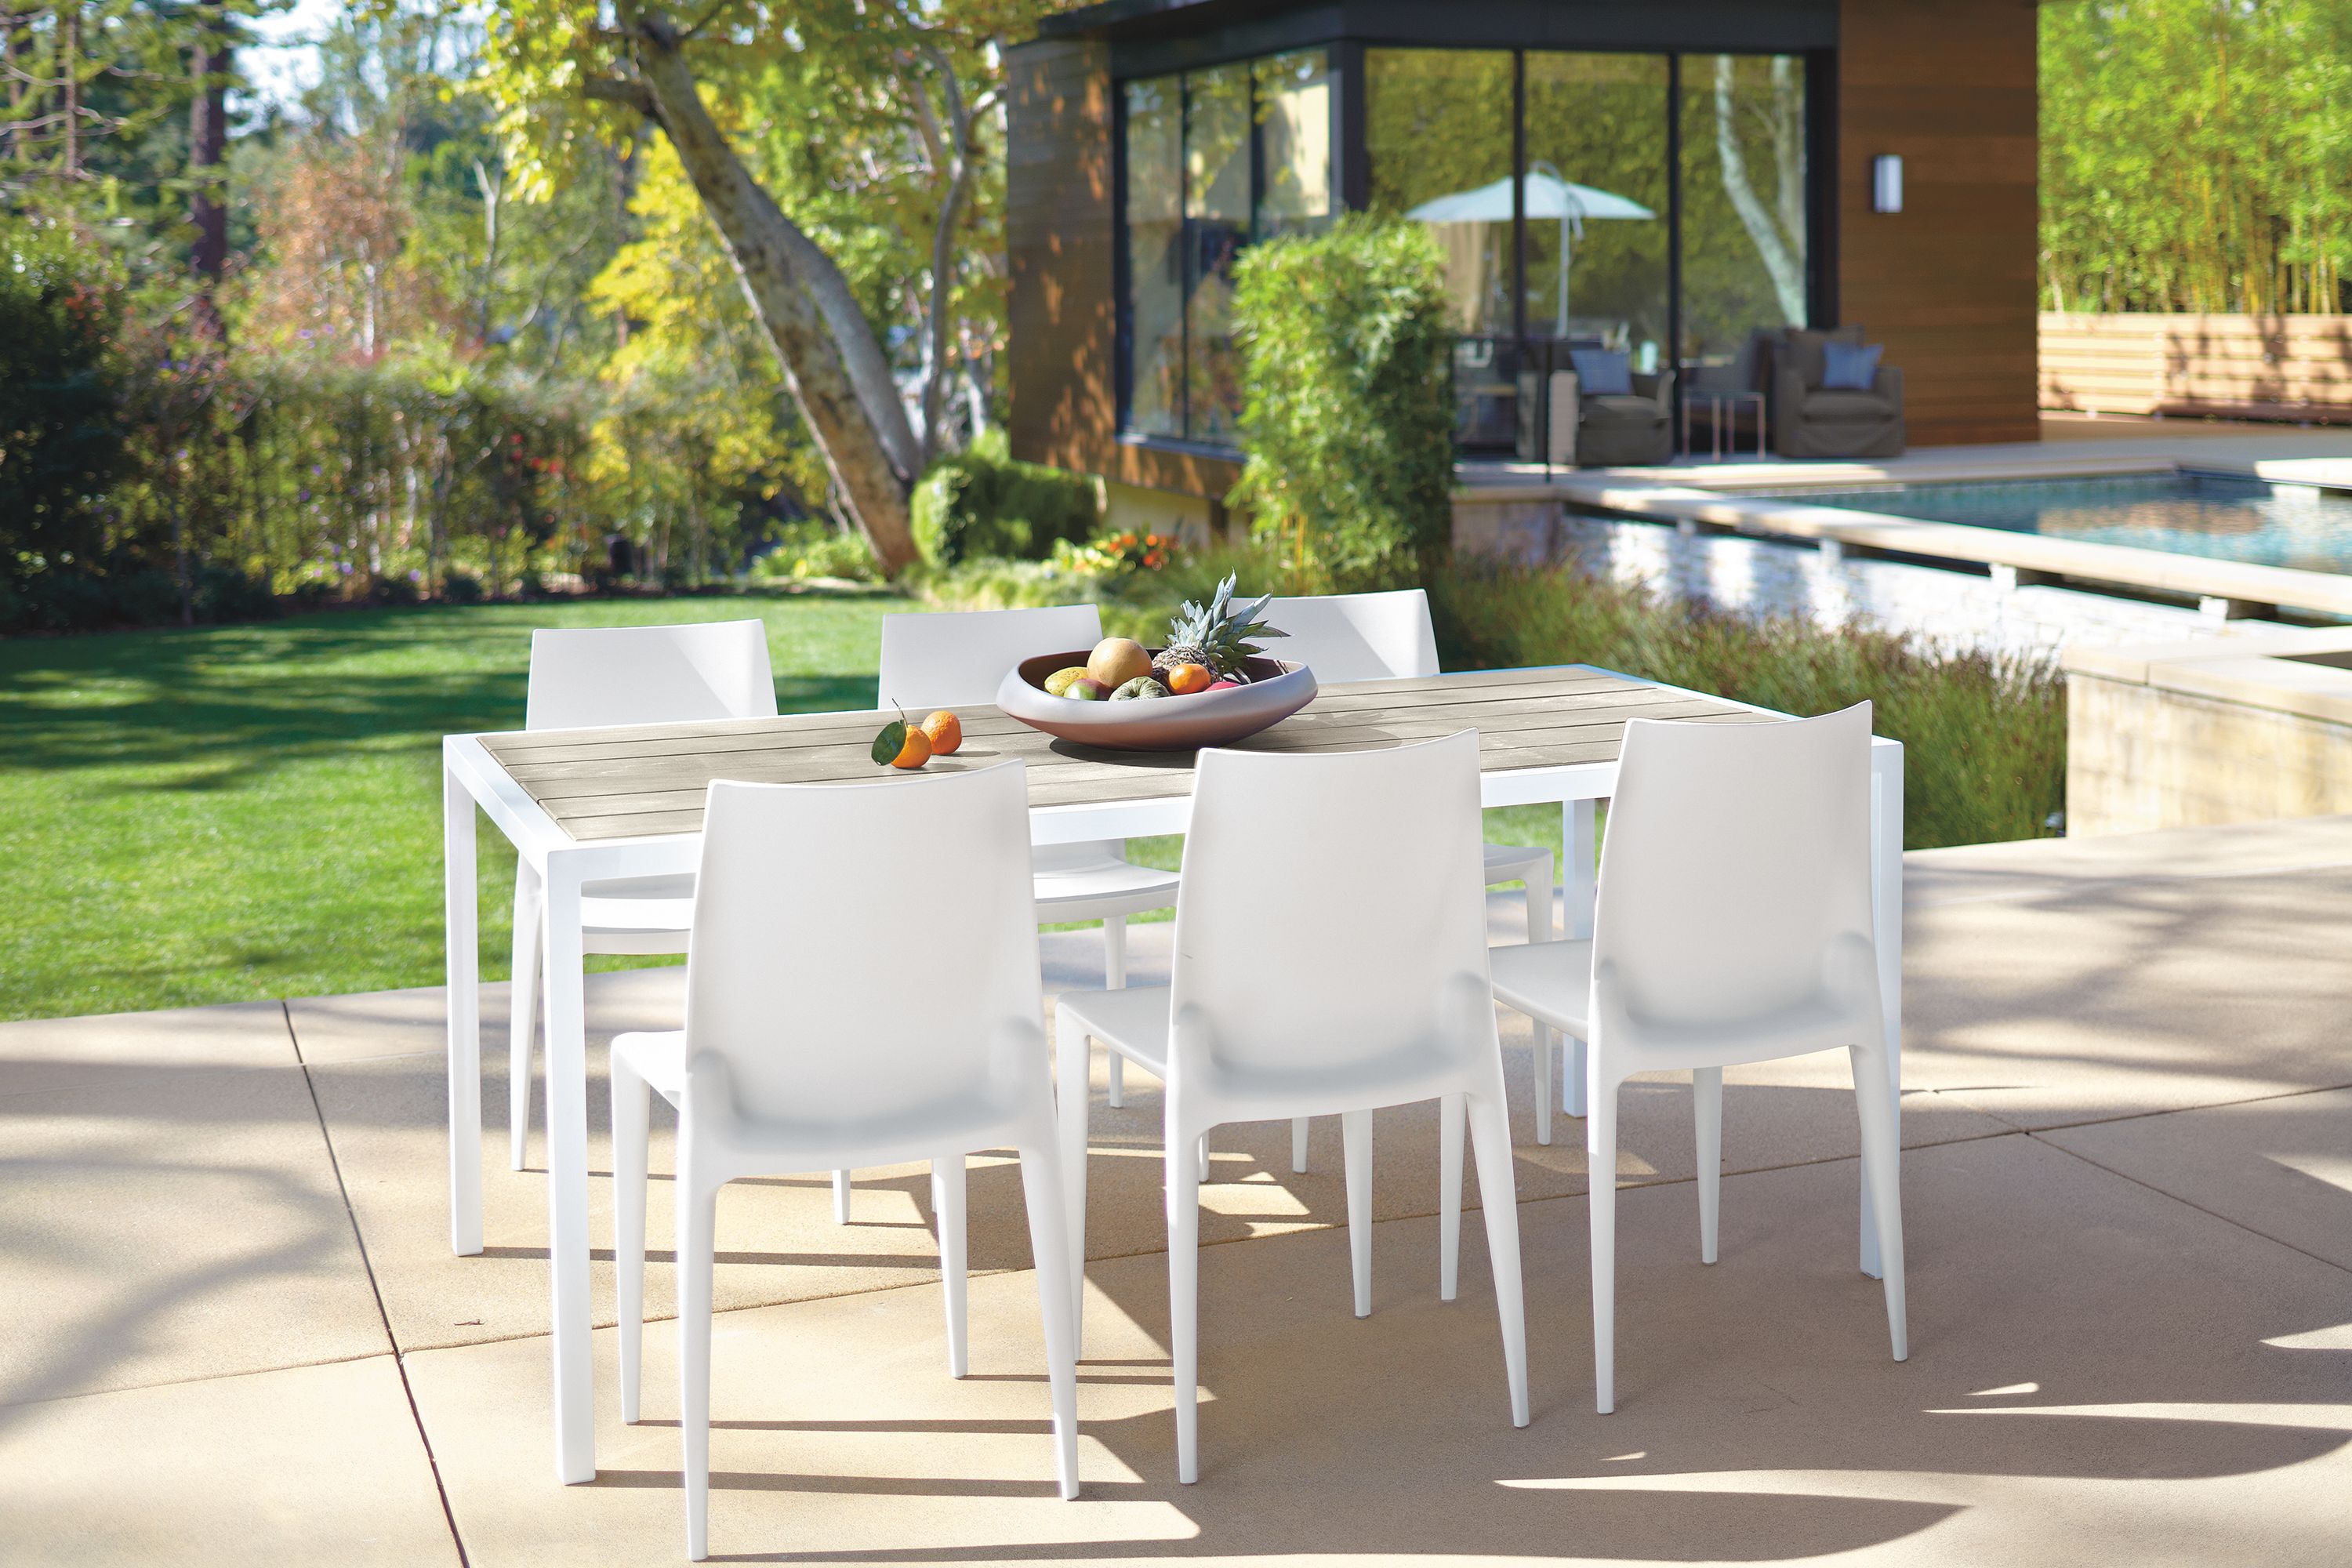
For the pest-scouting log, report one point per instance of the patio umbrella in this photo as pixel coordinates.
(1548, 197)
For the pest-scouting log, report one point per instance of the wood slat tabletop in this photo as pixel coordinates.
(650, 778)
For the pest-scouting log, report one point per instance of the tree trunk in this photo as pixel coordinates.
(1787, 270)
(832, 363)
(208, 152)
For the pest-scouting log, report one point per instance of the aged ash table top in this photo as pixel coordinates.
(650, 778)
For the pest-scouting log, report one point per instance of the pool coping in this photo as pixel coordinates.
(2230, 589)
(2268, 669)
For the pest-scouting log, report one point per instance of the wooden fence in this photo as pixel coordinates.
(2249, 367)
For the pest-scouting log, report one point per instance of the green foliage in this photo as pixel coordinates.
(2196, 156)
(62, 443)
(814, 548)
(1348, 410)
(982, 502)
(1984, 737)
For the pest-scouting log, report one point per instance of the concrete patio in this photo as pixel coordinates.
(235, 1331)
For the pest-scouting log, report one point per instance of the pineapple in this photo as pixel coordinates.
(1218, 636)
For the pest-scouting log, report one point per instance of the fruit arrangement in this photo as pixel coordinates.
(1209, 650)
(904, 745)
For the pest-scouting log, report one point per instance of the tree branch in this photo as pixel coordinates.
(620, 90)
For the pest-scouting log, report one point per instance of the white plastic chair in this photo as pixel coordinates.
(1390, 636)
(956, 659)
(590, 678)
(1312, 978)
(799, 1053)
(1733, 925)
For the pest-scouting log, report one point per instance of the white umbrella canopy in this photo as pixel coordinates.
(1548, 197)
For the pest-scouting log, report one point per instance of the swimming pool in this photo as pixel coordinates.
(2185, 513)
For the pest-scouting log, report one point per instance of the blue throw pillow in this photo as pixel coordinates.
(1850, 367)
(1602, 371)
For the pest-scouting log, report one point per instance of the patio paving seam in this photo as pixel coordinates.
(2187, 1203)
(399, 1362)
(1956, 1096)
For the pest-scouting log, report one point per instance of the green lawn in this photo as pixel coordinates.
(230, 812)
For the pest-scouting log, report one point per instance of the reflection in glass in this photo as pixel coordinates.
(1743, 129)
(1294, 115)
(1155, 256)
(1596, 201)
(1217, 201)
(1438, 133)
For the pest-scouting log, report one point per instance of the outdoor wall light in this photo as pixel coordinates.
(1886, 182)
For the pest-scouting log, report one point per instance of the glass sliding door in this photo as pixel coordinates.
(1438, 132)
(1155, 256)
(1744, 202)
(1195, 150)
(1597, 229)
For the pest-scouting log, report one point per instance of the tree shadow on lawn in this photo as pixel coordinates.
(215, 707)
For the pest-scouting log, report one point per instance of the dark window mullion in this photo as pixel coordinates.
(1188, 245)
(1675, 230)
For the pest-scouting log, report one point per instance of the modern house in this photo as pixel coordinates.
(1664, 177)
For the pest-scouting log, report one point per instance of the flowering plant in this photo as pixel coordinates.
(1117, 554)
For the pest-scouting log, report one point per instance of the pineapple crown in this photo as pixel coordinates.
(1220, 636)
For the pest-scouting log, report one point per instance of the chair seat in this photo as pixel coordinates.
(1512, 862)
(1620, 408)
(1133, 1022)
(1089, 881)
(659, 1058)
(1849, 405)
(643, 904)
(1550, 981)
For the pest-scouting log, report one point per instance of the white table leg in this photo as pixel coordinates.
(1578, 879)
(464, 961)
(1886, 916)
(567, 1175)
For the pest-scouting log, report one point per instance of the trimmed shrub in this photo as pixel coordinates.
(983, 501)
(62, 444)
(1347, 410)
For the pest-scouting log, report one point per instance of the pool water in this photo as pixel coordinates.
(2184, 514)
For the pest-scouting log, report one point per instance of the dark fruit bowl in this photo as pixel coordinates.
(1277, 690)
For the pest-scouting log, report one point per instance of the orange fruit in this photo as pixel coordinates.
(1183, 680)
(916, 751)
(944, 730)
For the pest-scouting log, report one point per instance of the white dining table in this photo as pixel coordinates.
(582, 806)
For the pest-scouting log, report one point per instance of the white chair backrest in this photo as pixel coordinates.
(1357, 637)
(1332, 911)
(958, 657)
(1736, 858)
(587, 677)
(863, 951)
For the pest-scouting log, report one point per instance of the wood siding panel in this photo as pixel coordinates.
(1946, 284)
(1059, 234)
(2263, 367)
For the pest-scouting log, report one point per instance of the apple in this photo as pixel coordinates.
(1086, 688)
(1224, 686)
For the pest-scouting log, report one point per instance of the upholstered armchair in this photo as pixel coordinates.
(1616, 429)
(1814, 420)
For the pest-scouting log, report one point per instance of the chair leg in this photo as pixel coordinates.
(1544, 1047)
(1070, 1094)
(523, 993)
(1450, 1114)
(948, 1204)
(1706, 1104)
(1115, 979)
(1356, 1145)
(697, 1221)
(1539, 896)
(1879, 1146)
(1041, 1192)
(1298, 1145)
(1184, 1299)
(631, 1102)
(1490, 1134)
(840, 1190)
(1601, 1202)
(1572, 1075)
(1204, 1159)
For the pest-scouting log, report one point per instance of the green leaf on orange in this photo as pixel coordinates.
(890, 742)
